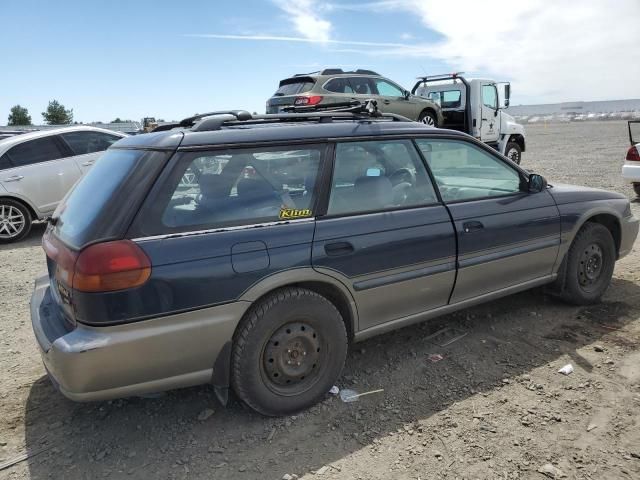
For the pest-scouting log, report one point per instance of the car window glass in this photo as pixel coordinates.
(387, 89)
(451, 99)
(35, 151)
(5, 162)
(239, 187)
(82, 143)
(490, 96)
(338, 85)
(464, 171)
(360, 85)
(378, 175)
(294, 88)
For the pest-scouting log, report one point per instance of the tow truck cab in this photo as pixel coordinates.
(476, 106)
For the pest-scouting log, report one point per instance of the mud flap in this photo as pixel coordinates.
(221, 371)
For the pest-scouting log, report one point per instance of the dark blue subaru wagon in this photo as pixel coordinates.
(249, 251)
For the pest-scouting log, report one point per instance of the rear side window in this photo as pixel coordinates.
(339, 85)
(380, 175)
(35, 151)
(89, 142)
(294, 87)
(361, 85)
(237, 187)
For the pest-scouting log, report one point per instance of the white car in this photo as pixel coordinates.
(631, 167)
(37, 169)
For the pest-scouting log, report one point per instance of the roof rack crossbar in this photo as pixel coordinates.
(444, 76)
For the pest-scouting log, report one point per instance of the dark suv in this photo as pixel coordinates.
(249, 251)
(334, 86)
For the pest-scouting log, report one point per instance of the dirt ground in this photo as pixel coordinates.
(494, 407)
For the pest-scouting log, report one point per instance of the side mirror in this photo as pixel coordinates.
(536, 183)
(507, 94)
(407, 94)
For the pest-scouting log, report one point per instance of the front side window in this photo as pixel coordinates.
(387, 89)
(241, 187)
(490, 96)
(35, 151)
(464, 171)
(5, 162)
(82, 143)
(378, 175)
(451, 99)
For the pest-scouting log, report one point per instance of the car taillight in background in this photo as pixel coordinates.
(633, 155)
(309, 100)
(101, 267)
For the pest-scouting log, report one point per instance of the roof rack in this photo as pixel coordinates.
(443, 76)
(338, 71)
(346, 111)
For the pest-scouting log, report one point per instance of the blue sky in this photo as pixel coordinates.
(170, 59)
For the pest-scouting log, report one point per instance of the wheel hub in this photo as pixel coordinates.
(292, 354)
(11, 221)
(590, 267)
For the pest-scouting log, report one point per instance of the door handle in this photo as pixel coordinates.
(469, 227)
(88, 163)
(15, 178)
(339, 248)
(386, 102)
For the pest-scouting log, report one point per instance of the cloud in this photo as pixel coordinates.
(277, 38)
(569, 50)
(307, 23)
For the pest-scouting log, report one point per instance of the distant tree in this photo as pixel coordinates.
(19, 116)
(117, 120)
(56, 114)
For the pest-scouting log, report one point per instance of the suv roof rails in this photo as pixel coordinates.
(353, 110)
(339, 71)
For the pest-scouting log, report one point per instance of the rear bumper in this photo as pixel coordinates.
(631, 171)
(629, 233)
(98, 363)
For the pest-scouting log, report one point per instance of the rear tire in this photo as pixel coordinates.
(288, 351)
(589, 265)
(636, 188)
(428, 118)
(15, 220)
(513, 152)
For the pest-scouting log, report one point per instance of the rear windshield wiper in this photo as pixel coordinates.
(278, 94)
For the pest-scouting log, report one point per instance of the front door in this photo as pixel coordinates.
(490, 126)
(506, 236)
(39, 172)
(385, 235)
(391, 99)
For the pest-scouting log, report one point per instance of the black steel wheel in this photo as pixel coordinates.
(636, 188)
(288, 351)
(589, 265)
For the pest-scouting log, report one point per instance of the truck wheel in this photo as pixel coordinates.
(428, 118)
(513, 152)
(636, 188)
(590, 261)
(15, 221)
(288, 351)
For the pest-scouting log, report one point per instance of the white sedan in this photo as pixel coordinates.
(631, 167)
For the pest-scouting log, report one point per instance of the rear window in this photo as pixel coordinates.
(294, 87)
(85, 207)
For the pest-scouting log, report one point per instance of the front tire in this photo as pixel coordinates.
(590, 262)
(636, 188)
(288, 351)
(15, 220)
(428, 118)
(513, 152)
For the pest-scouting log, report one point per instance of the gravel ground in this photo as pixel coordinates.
(494, 406)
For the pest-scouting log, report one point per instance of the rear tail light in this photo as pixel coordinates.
(102, 267)
(310, 100)
(109, 266)
(633, 155)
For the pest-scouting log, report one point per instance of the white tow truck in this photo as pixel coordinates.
(474, 106)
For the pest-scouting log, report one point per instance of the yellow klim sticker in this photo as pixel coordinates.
(291, 213)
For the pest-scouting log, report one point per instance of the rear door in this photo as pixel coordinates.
(87, 146)
(385, 235)
(41, 172)
(507, 237)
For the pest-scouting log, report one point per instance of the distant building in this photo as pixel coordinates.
(566, 108)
